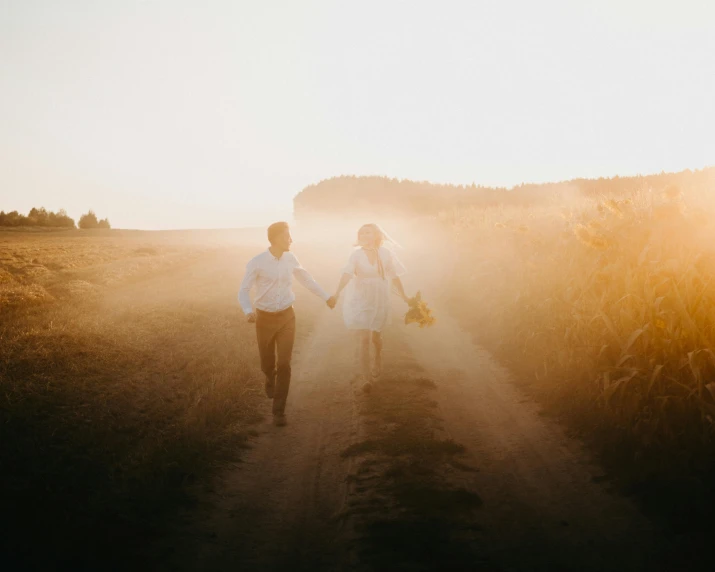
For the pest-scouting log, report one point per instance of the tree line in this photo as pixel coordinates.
(43, 218)
(386, 196)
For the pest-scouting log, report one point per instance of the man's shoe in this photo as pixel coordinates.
(279, 420)
(270, 387)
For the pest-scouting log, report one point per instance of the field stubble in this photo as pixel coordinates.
(114, 403)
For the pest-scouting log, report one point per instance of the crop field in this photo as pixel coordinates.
(605, 309)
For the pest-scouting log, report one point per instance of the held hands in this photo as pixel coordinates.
(252, 318)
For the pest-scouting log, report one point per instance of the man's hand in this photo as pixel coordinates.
(252, 318)
(331, 302)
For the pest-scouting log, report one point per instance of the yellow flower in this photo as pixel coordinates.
(418, 312)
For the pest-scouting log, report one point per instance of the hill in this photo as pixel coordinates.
(372, 195)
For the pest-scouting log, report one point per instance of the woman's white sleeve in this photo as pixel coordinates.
(394, 267)
(351, 266)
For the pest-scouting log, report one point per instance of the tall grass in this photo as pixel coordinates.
(607, 309)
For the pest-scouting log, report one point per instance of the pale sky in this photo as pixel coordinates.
(176, 113)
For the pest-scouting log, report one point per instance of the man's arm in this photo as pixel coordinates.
(304, 277)
(244, 293)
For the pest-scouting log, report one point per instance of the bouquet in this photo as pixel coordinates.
(418, 312)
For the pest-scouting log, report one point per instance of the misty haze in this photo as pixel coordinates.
(384, 286)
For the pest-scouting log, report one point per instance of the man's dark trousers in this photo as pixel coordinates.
(276, 334)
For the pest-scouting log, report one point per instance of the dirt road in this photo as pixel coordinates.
(283, 506)
(278, 509)
(543, 506)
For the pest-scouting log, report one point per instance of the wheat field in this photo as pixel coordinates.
(605, 309)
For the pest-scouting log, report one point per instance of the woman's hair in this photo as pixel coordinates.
(379, 237)
(275, 229)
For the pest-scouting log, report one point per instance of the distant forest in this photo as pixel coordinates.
(386, 196)
(44, 218)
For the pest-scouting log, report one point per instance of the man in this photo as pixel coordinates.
(272, 274)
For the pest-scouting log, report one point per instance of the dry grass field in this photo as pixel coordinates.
(126, 373)
(39, 267)
(131, 399)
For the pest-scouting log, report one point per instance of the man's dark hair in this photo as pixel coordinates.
(275, 229)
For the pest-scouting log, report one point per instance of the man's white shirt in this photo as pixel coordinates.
(273, 279)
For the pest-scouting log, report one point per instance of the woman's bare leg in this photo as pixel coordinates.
(365, 358)
(365, 353)
(357, 352)
(377, 342)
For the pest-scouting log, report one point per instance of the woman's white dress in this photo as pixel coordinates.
(367, 296)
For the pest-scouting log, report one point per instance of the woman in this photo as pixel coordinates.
(366, 309)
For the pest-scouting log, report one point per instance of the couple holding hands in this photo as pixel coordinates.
(367, 279)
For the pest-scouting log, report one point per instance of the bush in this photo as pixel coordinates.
(89, 220)
(12, 218)
(37, 217)
(61, 219)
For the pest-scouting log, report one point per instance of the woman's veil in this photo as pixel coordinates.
(388, 242)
